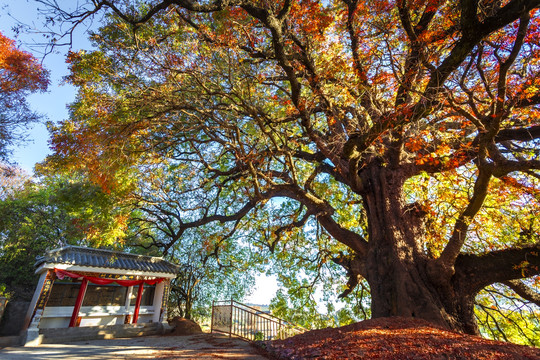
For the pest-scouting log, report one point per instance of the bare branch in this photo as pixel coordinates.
(522, 134)
(454, 245)
(523, 290)
(479, 271)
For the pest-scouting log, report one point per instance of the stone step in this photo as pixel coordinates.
(63, 335)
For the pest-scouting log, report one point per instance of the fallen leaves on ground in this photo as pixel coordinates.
(394, 338)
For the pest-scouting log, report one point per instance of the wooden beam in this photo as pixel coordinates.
(138, 303)
(78, 303)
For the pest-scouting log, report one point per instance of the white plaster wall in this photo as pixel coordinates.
(59, 316)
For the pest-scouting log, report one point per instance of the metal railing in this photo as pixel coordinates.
(234, 318)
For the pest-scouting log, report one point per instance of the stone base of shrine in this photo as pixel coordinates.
(63, 335)
(6, 341)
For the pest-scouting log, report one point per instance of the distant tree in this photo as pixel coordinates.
(43, 216)
(12, 180)
(20, 75)
(407, 130)
(205, 277)
(213, 266)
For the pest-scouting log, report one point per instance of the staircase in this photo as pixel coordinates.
(237, 319)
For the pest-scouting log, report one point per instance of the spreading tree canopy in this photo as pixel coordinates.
(406, 131)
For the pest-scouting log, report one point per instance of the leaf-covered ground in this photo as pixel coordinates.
(394, 338)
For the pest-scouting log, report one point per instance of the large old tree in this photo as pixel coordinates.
(406, 130)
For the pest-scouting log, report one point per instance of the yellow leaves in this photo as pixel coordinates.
(523, 266)
(443, 149)
(504, 220)
(331, 120)
(531, 91)
(429, 159)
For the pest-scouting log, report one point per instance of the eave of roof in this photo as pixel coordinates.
(106, 259)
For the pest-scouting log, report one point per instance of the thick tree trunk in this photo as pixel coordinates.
(395, 266)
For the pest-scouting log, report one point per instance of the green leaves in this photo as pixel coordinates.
(51, 214)
(505, 316)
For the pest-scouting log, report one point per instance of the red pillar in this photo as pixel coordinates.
(78, 303)
(138, 304)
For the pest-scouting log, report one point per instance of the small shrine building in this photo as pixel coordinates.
(85, 287)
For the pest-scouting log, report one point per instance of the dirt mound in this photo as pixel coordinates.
(183, 326)
(394, 338)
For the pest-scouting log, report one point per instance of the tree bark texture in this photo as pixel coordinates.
(396, 264)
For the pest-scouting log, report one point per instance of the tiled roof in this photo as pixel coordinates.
(83, 256)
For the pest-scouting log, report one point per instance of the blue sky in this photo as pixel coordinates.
(51, 104)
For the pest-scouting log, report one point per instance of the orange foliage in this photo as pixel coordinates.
(302, 14)
(510, 181)
(19, 70)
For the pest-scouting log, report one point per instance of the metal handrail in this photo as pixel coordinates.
(234, 318)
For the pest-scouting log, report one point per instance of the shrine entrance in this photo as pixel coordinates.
(84, 287)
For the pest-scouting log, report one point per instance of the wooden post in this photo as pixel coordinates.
(163, 313)
(231, 319)
(212, 319)
(138, 303)
(127, 317)
(40, 298)
(78, 303)
(157, 303)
